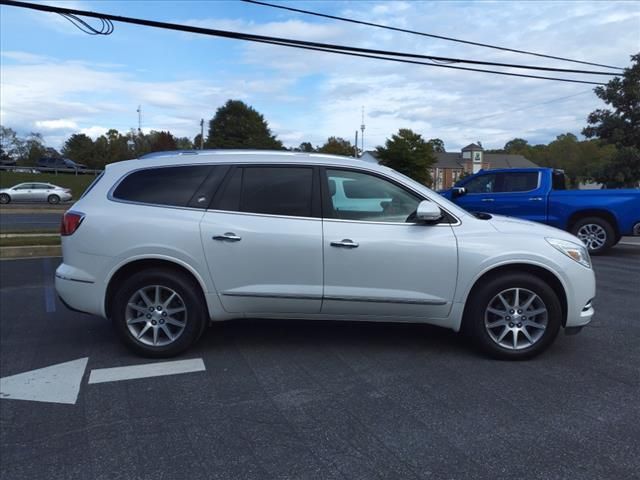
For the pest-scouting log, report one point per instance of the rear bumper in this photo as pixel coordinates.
(77, 293)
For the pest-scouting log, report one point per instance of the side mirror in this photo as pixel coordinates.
(457, 192)
(428, 212)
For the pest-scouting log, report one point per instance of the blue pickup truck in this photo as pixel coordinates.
(598, 217)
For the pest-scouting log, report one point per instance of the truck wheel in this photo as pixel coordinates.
(158, 312)
(514, 316)
(596, 233)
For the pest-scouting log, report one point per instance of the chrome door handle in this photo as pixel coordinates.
(487, 199)
(535, 199)
(228, 237)
(346, 243)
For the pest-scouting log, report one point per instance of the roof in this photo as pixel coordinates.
(472, 146)
(495, 160)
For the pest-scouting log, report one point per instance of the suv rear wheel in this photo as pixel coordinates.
(159, 312)
(514, 316)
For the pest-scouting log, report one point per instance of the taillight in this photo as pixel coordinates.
(70, 223)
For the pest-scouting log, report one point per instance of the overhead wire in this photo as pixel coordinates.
(332, 48)
(424, 34)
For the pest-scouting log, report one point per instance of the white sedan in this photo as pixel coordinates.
(35, 192)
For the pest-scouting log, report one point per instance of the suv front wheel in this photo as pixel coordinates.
(514, 316)
(158, 312)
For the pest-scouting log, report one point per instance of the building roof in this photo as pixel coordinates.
(455, 160)
(472, 146)
(495, 160)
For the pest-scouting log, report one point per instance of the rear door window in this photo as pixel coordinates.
(272, 190)
(516, 182)
(172, 186)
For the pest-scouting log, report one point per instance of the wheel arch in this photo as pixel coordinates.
(137, 265)
(541, 272)
(594, 212)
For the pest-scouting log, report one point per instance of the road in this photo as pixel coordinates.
(29, 221)
(326, 400)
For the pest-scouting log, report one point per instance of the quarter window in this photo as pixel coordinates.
(364, 197)
(173, 186)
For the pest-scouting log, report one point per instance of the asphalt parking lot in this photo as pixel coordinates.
(325, 400)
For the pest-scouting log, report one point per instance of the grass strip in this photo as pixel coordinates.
(28, 241)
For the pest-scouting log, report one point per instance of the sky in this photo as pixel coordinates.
(57, 80)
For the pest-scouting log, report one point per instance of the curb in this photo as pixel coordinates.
(31, 251)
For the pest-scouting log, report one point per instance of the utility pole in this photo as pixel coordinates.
(139, 110)
(201, 133)
(362, 127)
(355, 146)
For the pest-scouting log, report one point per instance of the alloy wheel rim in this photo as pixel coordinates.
(516, 318)
(156, 315)
(592, 235)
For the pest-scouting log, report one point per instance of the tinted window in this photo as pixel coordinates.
(559, 182)
(163, 186)
(277, 190)
(360, 196)
(481, 184)
(517, 182)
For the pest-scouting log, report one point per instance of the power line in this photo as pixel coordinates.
(414, 32)
(345, 50)
(416, 62)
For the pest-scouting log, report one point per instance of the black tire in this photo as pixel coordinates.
(604, 225)
(53, 199)
(189, 293)
(4, 198)
(481, 298)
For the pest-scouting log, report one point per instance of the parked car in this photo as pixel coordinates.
(60, 163)
(165, 245)
(35, 192)
(598, 217)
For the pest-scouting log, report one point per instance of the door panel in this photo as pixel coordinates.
(266, 264)
(396, 269)
(375, 263)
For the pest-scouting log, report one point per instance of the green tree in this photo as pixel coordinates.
(305, 147)
(619, 126)
(184, 143)
(162, 141)
(516, 146)
(79, 148)
(237, 125)
(337, 146)
(408, 153)
(437, 145)
(11, 145)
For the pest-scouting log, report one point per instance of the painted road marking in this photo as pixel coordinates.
(102, 375)
(55, 384)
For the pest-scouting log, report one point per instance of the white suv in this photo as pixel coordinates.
(164, 245)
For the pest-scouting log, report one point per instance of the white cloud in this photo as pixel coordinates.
(59, 124)
(437, 102)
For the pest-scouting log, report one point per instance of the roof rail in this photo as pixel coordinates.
(219, 151)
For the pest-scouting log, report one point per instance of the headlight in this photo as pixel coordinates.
(572, 250)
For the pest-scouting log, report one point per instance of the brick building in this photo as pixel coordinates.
(450, 166)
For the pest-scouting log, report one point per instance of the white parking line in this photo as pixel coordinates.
(55, 384)
(115, 374)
